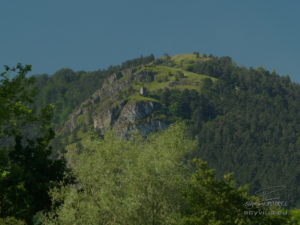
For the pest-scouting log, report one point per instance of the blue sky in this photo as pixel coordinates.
(92, 34)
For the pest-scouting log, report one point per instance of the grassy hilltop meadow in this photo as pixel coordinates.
(172, 140)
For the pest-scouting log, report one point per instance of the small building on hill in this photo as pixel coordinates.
(143, 91)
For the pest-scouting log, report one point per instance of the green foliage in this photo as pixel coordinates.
(215, 67)
(246, 121)
(125, 182)
(31, 173)
(175, 78)
(147, 181)
(295, 214)
(13, 96)
(255, 131)
(218, 202)
(187, 104)
(26, 170)
(66, 89)
(138, 61)
(138, 97)
(187, 61)
(11, 221)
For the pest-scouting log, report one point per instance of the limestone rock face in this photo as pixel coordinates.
(126, 117)
(108, 109)
(139, 116)
(72, 123)
(138, 110)
(105, 120)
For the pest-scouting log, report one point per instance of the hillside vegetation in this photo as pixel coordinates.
(246, 120)
(172, 140)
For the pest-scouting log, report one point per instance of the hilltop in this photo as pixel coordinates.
(128, 99)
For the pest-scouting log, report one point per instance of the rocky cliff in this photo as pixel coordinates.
(125, 102)
(111, 107)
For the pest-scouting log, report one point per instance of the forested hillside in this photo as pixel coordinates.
(246, 120)
(136, 139)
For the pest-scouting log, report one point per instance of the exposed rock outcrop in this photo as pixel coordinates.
(105, 120)
(107, 111)
(139, 116)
